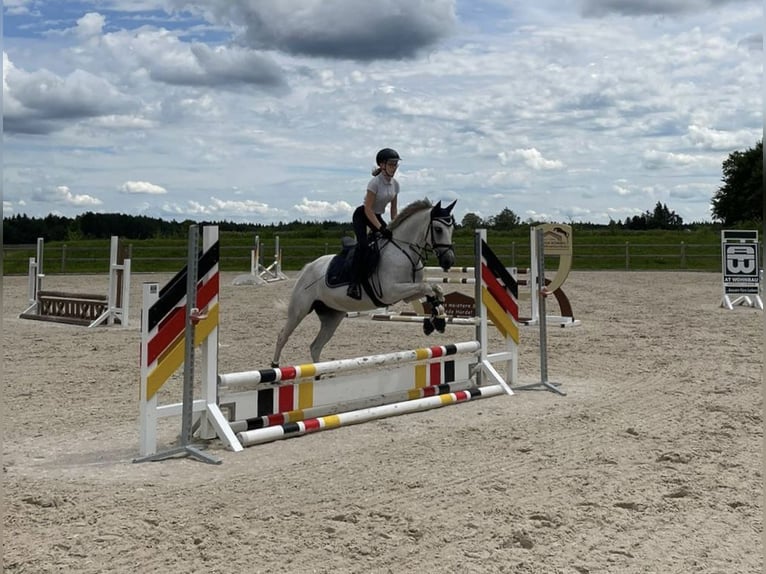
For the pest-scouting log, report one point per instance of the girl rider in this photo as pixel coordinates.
(382, 191)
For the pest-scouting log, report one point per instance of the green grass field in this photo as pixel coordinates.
(593, 250)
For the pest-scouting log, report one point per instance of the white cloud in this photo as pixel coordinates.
(90, 25)
(64, 195)
(226, 209)
(656, 159)
(17, 7)
(324, 209)
(531, 158)
(142, 187)
(36, 102)
(712, 139)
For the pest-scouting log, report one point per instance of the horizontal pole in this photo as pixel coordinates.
(450, 270)
(309, 370)
(463, 280)
(270, 434)
(419, 319)
(348, 405)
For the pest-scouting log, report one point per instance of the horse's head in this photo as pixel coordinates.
(440, 234)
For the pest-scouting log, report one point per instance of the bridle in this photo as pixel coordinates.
(431, 245)
(440, 249)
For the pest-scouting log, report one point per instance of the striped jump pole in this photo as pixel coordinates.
(345, 405)
(463, 280)
(461, 270)
(272, 397)
(289, 430)
(311, 370)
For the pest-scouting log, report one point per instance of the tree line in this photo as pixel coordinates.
(660, 218)
(20, 229)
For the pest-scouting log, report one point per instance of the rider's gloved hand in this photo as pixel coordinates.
(386, 232)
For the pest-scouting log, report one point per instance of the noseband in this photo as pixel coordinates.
(440, 248)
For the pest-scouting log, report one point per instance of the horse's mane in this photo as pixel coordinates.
(414, 207)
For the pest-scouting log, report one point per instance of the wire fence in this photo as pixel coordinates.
(624, 256)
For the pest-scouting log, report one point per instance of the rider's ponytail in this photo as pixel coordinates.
(376, 171)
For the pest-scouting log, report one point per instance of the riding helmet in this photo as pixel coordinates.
(386, 154)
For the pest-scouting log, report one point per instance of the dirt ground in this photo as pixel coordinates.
(650, 464)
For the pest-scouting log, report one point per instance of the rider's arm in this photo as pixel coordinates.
(394, 209)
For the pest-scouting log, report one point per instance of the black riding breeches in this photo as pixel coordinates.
(361, 224)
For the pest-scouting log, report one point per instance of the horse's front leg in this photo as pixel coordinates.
(412, 291)
(433, 293)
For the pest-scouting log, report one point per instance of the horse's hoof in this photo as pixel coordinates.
(428, 327)
(274, 365)
(440, 323)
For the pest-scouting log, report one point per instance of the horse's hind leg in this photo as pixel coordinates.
(329, 319)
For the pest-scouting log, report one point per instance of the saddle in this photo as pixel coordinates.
(340, 272)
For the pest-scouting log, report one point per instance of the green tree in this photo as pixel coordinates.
(472, 221)
(660, 218)
(663, 218)
(740, 198)
(506, 220)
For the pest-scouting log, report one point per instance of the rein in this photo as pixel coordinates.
(421, 252)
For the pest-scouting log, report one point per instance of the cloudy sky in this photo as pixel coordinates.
(272, 110)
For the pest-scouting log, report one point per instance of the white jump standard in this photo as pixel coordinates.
(263, 405)
(81, 308)
(259, 274)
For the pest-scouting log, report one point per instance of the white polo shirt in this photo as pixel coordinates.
(385, 192)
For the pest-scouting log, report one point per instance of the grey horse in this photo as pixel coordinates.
(418, 229)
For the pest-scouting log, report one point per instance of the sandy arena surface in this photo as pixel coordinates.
(650, 464)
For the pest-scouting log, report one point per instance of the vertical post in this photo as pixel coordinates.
(683, 255)
(541, 294)
(480, 311)
(34, 279)
(125, 296)
(191, 303)
(115, 280)
(627, 256)
(513, 254)
(277, 259)
(40, 273)
(255, 268)
(534, 276)
(148, 407)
